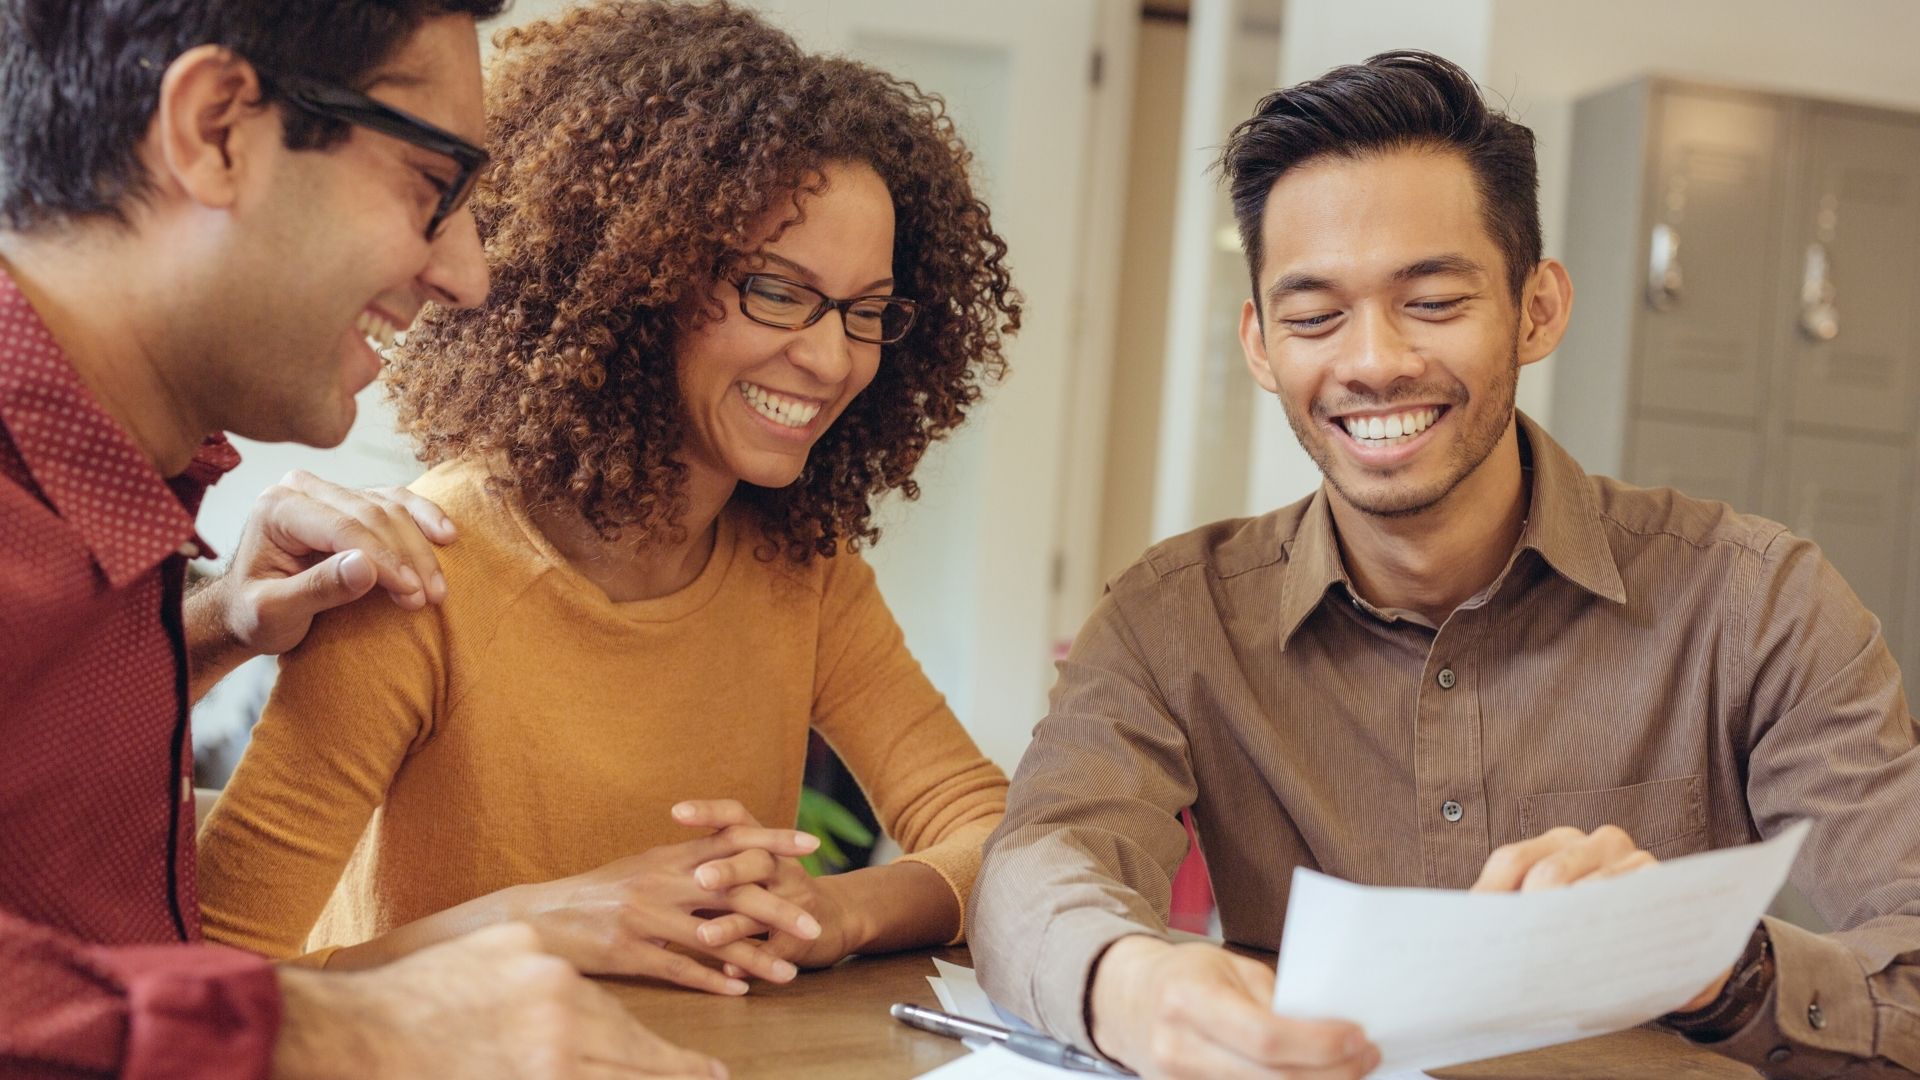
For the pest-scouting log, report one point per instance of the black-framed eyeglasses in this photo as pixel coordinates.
(772, 300)
(331, 102)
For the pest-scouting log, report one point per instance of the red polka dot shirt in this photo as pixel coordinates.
(102, 971)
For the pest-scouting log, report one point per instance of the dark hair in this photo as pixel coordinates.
(1397, 100)
(638, 146)
(80, 79)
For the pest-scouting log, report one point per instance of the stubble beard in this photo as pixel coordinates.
(1474, 446)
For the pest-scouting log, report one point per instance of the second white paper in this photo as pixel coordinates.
(1438, 977)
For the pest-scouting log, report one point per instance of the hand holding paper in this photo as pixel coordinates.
(1439, 977)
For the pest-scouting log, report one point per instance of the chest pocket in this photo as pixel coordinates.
(1666, 817)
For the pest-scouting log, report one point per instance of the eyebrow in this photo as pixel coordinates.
(814, 279)
(1452, 264)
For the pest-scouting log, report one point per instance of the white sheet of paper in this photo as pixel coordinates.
(996, 1063)
(967, 999)
(1438, 977)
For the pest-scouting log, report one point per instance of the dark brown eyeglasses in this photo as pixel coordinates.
(772, 300)
(331, 102)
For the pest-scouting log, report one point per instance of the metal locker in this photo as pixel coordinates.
(1857, 266)
(1853, 498)
(1711, 251)
(1702, 460)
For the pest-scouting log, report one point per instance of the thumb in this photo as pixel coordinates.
(339, 580)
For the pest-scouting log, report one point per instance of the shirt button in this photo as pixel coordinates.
(1815, 1017)
(1451, 810)
(1779, 1054)
(1445, 678)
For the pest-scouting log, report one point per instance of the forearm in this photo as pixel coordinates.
(902, 905)
(213, 651)
(506, 905)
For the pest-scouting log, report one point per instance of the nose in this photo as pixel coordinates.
(456, 271)
(823, 350)
(1374, 354)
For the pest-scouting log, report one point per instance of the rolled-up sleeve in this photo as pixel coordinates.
(69, 1008)
(1091, 840)
(1832, 741)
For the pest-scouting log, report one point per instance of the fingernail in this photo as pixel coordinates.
(784, 971)
(355, 570)
(808, 927)
(1355, 1044)
(683, 811)
(446, 526)
(706, 877)
(719, 1071)
(735, 986)
(439, 588)
(409, 579)
(806, 840)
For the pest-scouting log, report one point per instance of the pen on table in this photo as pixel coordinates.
(1026, 1044)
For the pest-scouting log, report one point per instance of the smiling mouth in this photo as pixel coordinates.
(786, 411)
(1392, 428)
(375, 327)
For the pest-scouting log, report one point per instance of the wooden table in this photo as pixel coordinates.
(834, 1024)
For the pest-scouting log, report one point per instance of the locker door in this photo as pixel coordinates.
(1701, 460)
(1852, 497)
(1858, 265)
(1711, 253)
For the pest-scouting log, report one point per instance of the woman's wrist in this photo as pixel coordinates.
(901, 905)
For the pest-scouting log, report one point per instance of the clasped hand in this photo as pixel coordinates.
(713, 897)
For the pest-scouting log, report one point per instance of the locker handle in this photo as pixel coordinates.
(1663, 268)
(1819, 316)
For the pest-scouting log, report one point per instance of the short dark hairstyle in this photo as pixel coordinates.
(80, 79)
(1406, 99)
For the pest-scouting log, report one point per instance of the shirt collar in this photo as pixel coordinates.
(1563, 526)
(85, 465)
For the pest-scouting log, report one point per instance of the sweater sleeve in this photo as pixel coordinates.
(357, 696)
(932, 789)
(70, 1008)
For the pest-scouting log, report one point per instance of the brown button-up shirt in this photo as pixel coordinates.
(1698, 677)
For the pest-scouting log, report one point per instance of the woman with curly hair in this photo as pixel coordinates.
(738, 291)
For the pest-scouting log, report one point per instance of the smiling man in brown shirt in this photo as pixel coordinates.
(1462, 662)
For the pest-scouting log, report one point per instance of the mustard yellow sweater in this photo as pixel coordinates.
(529, 729)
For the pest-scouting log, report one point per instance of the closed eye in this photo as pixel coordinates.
(1438, 307)
(1310, 322)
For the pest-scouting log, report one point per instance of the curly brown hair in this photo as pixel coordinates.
(636, 145)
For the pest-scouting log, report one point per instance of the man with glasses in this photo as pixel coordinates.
(213, 215)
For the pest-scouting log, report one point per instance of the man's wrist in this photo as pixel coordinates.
(1746, 991)
(326, 1030)
(214, 649)
(1113, 988)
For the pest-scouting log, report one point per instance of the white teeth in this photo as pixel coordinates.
(1388, 429)
(785, 411)
(380, 333)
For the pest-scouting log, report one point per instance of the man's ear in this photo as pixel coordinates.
(1545, 305)
(1253, 342)
(209, 128)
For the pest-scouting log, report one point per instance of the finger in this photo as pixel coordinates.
(1635, 860)
(738, 838)
(301, 525)
(1190, 1054)
(1224, 1015)
(1607, 844)
(393, 526)
(728, 929)
(612, 1039)
(746, 868)
(342, 579)
(433, 522)
(1509, 863)
(712, 813)
(653, 962)
(773, 912)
